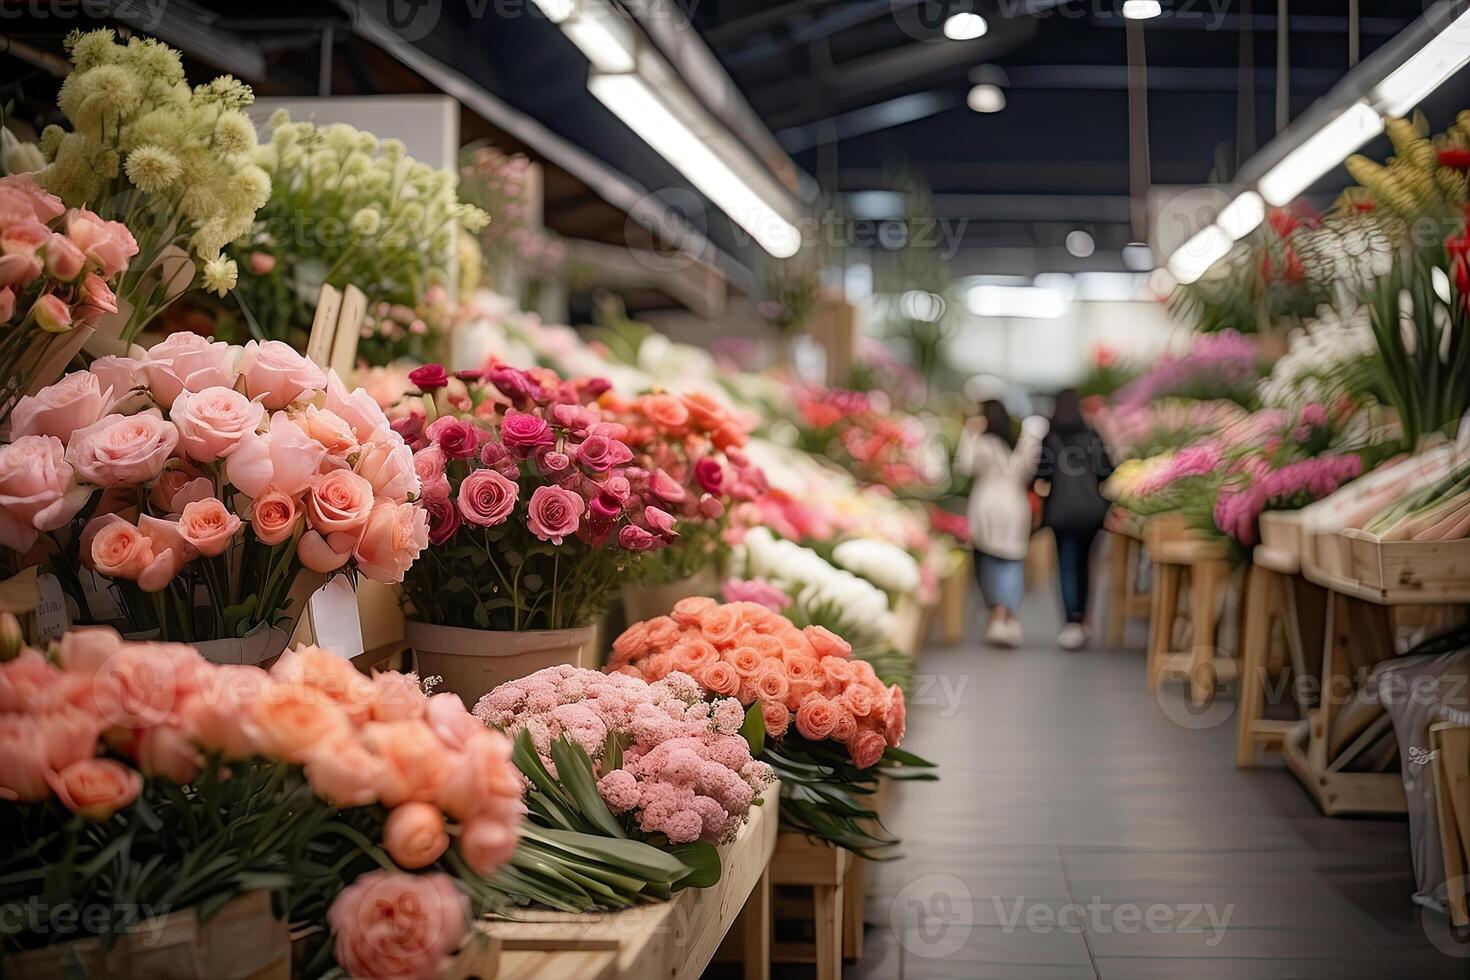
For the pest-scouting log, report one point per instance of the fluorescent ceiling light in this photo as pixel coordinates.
(641, 110)
(965, 27)
(1024, 302)
(1426, 69)
(1194, 257)
(1108, 287)
(986, 97)
(1138, 256)
(1141, 9)
(1241, 216)
(557, 11)
(605, 37)
(1080, 244)
(1319, 153)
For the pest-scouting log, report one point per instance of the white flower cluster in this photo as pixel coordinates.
(884, 564)
(814, 583)
(180, 156)
(1323, 360)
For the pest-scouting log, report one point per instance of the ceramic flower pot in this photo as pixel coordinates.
(642, 602)
(242, 941)
(471, 663)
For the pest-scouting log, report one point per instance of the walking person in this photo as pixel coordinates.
(1074, 462)
(1004, 468)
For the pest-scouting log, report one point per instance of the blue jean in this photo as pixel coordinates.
(1074, 548)
(1002, 580)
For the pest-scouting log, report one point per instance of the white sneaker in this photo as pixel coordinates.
(1072, 637)
(1014, 634)
(995, 633)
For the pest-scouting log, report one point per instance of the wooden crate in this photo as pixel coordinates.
(1433, 568)
(803, 861)
(674, 939)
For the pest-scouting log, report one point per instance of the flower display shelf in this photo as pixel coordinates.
(1281, 541)
(1186, 561)
(828, 871)
(674, 939)
(954, 595)
(1125, 556)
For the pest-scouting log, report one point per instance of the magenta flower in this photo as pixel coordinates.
(600, 453)
(524, 433)
(429, 377)
(710, 475)
(486, 498)
(458, 440)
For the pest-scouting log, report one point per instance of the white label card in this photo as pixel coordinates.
(334, 618)
(51, 614)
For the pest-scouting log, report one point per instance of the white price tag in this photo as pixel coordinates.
(51, 615)
(334, 619)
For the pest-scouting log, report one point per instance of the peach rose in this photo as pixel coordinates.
(188, 362)
(108, 245)
(631, 643)
(664, 411)
(208, 526)
(398, 925)
(96, 788)
(274, 517)
(325, 554)
(328, 429)
(691, 610)
(816, 718)
(897, 718)
(339, 502)
(846, 726)
(720, 624)
(166, 750)
(74, 402)
(397, 697)
(454, 725)
(415, 763)
(777, 718)
(215, 714)
(290, 722)
(178, 486)
(83, 650)
(122, 450)
(825, 643)
(23, 761)
(693, 655)
(386, 462)
(836, 674)
(276, 375)
(212, 423)
(326, 675)
(284, 458)
(38, 491)
(70, 735)
(29, 684)
(394, 536)
(171, 550)
(858, 700)
(867, 749)
(771, 683)
(745, 661)
(720, 678)
(119, 550)
(343, 772)
(487, 844)
(481, 777)
(357, 408)
(414, 835)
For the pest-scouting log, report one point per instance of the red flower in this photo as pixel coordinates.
(1458, 159)
(429, 377)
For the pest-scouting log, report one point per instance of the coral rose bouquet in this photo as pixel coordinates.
(128, 763)
(822, 719)
(696, 443)
(651, 776)
(58, 267)
(187, 491)
(537, 511)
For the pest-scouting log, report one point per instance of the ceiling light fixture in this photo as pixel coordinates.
(1080, 244)
(557, 11)
(986, 97)
(1021, 302)
(1321, 151)
(1242, 216)
(1138, 256)
(1427, 69)
(640, 108)
(1195, 256)
(1141, 9)
(965, 26)
(604, 37)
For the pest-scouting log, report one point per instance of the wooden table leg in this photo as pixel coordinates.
(828, 922)
(1205, 578)
(1161, 620)
(755, 930)
(853, 896)
(1118, 590)
(1254, 643)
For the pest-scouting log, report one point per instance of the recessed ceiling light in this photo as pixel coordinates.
(1141, 9)
(986, 98)
(965, 27)
(1137, 255)
(1080, 244)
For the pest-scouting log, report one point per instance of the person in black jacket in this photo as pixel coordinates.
(1074, 462)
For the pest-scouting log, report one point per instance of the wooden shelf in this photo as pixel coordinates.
(674, 939)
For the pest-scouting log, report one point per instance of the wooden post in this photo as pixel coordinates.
(755, 930)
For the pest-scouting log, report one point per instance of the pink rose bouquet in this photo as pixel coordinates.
(57, 272)
(206, 470)
(537, 509)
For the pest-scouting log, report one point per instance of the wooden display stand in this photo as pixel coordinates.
(827, 871)
(1183, 560)
(1450, 744)
(1125, 555)
(954, 596)
(676, 939)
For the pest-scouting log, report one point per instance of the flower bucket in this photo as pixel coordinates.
(258, 648)
(642, 602)
(471, 663)
(242, 941)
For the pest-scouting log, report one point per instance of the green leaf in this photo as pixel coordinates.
(754, 729)
(612, 753)
(703, 862)
(630, 856)
(574, 767)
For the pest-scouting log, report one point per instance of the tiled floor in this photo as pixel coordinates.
(1079, 832)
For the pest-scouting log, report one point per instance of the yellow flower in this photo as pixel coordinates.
(153, 170)
(220, 275)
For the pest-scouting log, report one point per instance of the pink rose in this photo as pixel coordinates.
(398, 925)
(97, 299)
(212, 423)
(117, 549)
(325, 553)
(444, 519)
(486, 498)
(74, 402)
(284, 459)
(429, 377)
(178, 486)
(454, 725)
(456, 439)
(64, 260)
(209, 526)
(710, 475)
(52, 314)
(329, 429)
(487, 844)
(664, 486)
(394, 536)
(122, 450)
(758, 591)
(599, 453)
(343, 772)
(23, 763)
(120, 374)
(339, 502)
(387, 463)
(188, 362)
(69, 734)
(524, 433)
(867, 749)
(107, 244)
(482, 780)
(18, 269)
(166, 750)
(358, 409)
(274, 517)
(37, 490)
(22, 198)
(7, 304)
(634, 538)
(96, 788)
(397, 697)
(660, 522)
(414, 835)
(276, 375)
(554, 513)
(24, 237)
(816, 718)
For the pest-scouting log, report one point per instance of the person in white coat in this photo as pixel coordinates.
(1004, 467)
